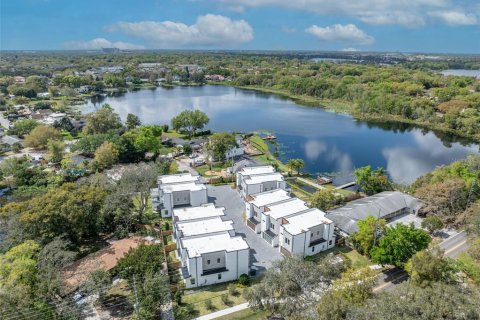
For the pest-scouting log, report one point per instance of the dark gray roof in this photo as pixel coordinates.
(10, 140)
(244, 164)
(380, 205)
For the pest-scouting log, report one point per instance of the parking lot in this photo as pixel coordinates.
(261, 253)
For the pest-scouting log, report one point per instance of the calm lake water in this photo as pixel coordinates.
(461, 72)
(329, 142)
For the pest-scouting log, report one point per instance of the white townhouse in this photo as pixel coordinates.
(213, 258)
(178, 191)
(306, 234)
(190, 228)
(273, 216)
(252, 180)
(255, 204)
(204, 211)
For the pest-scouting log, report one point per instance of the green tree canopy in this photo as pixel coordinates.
(293, 285)
(429, 266)
(190, 121)
(372, 181)
(102, 121)
(219, 144)
(23, 127)
(40, 135)
(106, 155)
(432, 223)
(370, 230)
(325, 199)
(132, 121)
(398, 244)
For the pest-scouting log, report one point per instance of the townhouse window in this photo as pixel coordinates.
(318, 232)
(313, 248)
(208, 261)
(192, 281)
(219, 276)
(330, 242)
(218, 260)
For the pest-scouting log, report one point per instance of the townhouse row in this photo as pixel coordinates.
(282, 221)
(206, 244)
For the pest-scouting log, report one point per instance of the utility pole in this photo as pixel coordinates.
(136, 305)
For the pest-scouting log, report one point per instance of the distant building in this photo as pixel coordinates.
(110, 50)
(384, 205)
(19, 80)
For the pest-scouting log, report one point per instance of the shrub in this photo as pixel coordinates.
(209, 305)
(244, 280)
(178, 297)
(225, 299)
(232, 289)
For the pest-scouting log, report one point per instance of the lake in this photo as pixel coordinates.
(327, 141)
(461, 72)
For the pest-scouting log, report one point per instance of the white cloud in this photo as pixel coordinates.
(99, 43)
(341, 33)
(349, 49)
(455, 18)
(208, 30)
(408, 13)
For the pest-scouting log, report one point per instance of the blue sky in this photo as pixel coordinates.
(365, 25)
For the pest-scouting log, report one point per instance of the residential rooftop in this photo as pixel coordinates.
(285, 208)
(204, 211)
(205, 226)
(186, 186)
(260, 178)
(380, 205)
(177, 178)
(247, 171)
(213, 243)
(268, 197)
(305, 220)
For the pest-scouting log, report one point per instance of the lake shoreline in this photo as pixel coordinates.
(345, 107)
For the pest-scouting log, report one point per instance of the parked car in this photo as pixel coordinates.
(198, 162)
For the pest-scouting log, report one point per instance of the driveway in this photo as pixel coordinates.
(261, 253)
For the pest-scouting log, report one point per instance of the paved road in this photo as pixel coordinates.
(261, 253)
(453, 246)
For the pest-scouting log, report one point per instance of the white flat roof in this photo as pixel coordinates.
(211, 225)
(186, 186)
(302, 222)
(177, 178)
(259, 178)
(256, 170)
(213, 243)
(207, 210)
(286, 208)
(268, 197)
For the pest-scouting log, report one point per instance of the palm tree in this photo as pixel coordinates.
(299, 164)
(291, 165)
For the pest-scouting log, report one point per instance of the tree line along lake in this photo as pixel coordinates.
(328, 142)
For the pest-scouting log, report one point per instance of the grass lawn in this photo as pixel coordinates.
(174, 134)
(248, 314)
(358, 261)
(215, 167)
(197, 298)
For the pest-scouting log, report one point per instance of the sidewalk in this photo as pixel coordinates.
(224, 312)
